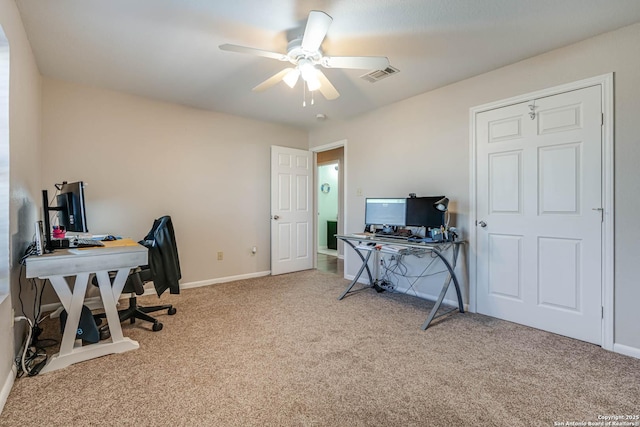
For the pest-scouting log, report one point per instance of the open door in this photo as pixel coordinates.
(291, 210)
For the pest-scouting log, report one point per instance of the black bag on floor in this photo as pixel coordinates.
(87, 328)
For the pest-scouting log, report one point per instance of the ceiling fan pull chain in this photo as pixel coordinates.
(312, 100)
(304, 93)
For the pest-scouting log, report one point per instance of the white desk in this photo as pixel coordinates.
(365, 245)
(81, 263)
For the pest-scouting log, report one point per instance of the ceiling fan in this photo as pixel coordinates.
(305, 54)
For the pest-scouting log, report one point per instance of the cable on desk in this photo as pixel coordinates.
(397, 269)
(32, 249)
(37, 307)
(20, 289)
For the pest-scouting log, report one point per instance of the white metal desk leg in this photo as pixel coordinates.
(74, 309)
(110, 300)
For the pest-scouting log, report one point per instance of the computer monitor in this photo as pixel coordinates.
(72, 214)
(70, 208)
(385, 211)
(422, 213)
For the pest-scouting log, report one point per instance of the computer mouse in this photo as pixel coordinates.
(109, 238)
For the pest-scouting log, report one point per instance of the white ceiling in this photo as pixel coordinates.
(168, 49)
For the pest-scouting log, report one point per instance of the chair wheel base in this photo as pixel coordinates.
(105, 333)
(157, 327)
(172, 311)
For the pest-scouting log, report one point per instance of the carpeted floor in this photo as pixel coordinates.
(282, 351)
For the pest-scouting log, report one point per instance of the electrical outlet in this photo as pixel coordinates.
(254, 250)
(220, 256)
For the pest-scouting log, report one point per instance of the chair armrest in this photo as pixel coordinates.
(135, 281)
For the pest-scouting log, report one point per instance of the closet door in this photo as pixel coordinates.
(539, 205)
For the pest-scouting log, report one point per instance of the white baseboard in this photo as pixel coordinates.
(95, 302)
(7, 385)
(360, 280)
(224, 280)
(327, 251)
(626, 350)
(453, 303)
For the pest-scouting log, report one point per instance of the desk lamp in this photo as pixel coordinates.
(443, 206)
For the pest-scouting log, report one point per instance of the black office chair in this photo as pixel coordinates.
(163, 270)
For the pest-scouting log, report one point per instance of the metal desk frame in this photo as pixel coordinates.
(355, 240)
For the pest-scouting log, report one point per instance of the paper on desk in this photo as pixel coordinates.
(119, 242)
(392, 249)
(365, 247)
(110, 244)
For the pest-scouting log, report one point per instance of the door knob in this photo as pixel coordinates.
(482, 224)
(276, 217)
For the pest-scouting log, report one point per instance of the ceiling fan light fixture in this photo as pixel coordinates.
(313, 83)
(309, 74)
(307, 69)
(292, 77)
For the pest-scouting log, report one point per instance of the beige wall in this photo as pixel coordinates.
(24, 165)
(429, 136)
(143, 159)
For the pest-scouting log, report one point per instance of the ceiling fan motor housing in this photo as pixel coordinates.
(296, 53)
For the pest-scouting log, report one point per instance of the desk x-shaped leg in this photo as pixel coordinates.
(364, 266)
(72, 352)
(450, 267)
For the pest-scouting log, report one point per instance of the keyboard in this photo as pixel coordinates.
(85, 243)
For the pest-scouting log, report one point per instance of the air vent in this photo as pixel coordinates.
(377, 75)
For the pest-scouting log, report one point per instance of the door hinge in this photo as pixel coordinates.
(601, 213)
(601, 119)
(602, 312)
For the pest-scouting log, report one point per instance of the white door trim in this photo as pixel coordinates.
(315, 150)
(606, 83)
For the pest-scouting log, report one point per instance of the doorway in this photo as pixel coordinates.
(329, 195)
(328, 208)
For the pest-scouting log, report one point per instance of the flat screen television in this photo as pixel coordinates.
(422, 213)
(385, 211)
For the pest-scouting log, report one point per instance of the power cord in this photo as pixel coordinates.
(31, 250)
(33, 358)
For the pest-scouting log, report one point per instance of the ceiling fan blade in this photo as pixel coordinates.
(358, 62)
(317, 26)
(326, 88)
(253, 51)
(272, 81)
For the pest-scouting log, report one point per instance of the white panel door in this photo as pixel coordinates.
(291, 210)
(539, 214)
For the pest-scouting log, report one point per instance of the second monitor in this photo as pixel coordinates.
(386, 212)
(421, 212)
